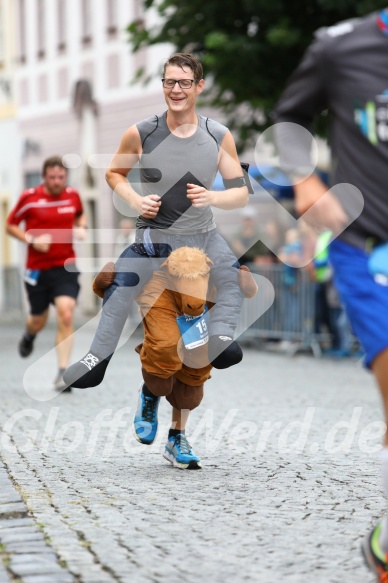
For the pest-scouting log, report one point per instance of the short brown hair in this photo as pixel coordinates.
(186, 60)
(51, 162)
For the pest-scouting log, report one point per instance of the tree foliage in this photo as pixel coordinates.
(248, 47)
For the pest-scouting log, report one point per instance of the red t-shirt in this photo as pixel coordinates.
(48, 213)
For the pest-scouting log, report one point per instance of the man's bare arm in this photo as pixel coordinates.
(40, 243)
(123, 161)
(326, 211)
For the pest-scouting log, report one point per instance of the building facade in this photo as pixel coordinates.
(71, 70)
(10, 156)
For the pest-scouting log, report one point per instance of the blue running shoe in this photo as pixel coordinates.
(179, 453)
(146, 418)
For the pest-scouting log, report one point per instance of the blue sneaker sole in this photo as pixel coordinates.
(190, 466)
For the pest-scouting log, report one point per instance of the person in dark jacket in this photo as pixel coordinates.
(344, 71)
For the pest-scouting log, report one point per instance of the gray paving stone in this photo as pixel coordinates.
(25, 565)
(39, 546)
(9, 497)
(4, 577)
(12, 508)
(21, 537)
(16, 522)
(44, 558)
(57, 578)
(19, 530)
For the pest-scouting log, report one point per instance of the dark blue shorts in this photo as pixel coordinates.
(365, 300)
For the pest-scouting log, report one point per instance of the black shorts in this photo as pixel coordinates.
(51, 283)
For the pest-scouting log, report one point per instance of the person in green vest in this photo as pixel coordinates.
(329, 310)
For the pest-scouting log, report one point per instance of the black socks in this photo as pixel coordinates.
(175, 432)
(145, 390)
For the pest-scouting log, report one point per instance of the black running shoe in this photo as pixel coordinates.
(87, 372)
(26, 346)
(375, 558)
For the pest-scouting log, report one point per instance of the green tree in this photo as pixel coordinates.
(248, 47)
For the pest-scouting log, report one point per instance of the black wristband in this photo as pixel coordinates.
(234, 182)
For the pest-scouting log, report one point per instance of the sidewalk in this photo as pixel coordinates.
(290, 481)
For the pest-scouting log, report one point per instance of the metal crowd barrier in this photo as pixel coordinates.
(291, 316)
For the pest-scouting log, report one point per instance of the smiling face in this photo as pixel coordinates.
(181, 100)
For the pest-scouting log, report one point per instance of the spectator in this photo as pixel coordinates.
(291, 255)
(248, 245)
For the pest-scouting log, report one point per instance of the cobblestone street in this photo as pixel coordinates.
(290, 481)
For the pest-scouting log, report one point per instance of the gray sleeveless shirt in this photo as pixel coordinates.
(168, 163)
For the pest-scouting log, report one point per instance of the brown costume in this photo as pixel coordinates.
(181, 286)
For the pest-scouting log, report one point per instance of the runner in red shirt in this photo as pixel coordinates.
(52, 215)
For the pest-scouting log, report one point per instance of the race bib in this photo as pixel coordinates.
(31, 276)
(194, 330)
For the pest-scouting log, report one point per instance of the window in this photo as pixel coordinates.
(5, 259)
(61, 24)
(31, 148)
(22, 31)
(42, 87)
(24, 92)
(86, 22)
(111, 18)
(41, 29)
(2, 39)
(32, 179)
(113, 71)
(62, 83)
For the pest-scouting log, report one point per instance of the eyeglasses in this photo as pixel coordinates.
(183, 83)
